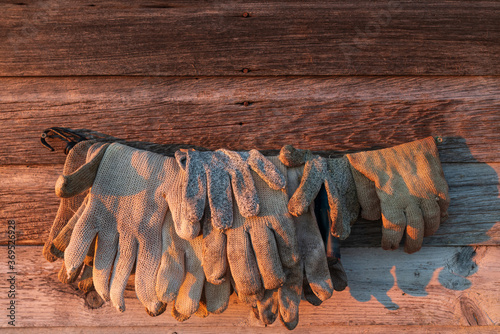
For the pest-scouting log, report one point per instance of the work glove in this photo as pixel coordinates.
(214, 299)
(332, 244)
(68, 206)
(405, 185)
(67, 214)
(257, 249)
(210, 176)
(68, 209)
(180, 277)
(125, 211)
(337, 179)
(319, 273)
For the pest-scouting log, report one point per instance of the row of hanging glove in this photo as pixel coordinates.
(198, 224)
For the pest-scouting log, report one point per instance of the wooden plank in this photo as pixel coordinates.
(310, 329)
(27, 196)
(444, 286)
(331, 113)
(190, 38)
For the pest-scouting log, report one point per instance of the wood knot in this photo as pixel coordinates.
(93, 300)
(472, 313)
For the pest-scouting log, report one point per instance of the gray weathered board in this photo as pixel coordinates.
(332, 76)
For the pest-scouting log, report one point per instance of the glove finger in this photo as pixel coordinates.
(339, 226)
(317, 274)
(243, 264)
(217, 296)
(338, 274)
(86, 283)
(414, 229)
(107, 244)
(437, 175)
(309, 294)
(194, 193)
(267, 308)
(310, 184)
(214, 254)
(188, 299)
(148, 261)
(83, 234)
(286, 240)
(61, 241)
(219, 197)
(266, 170)
(393, 224)
(293, 157)
(367, 196)
(171, 271)
(65, 278)
(266, 254)
(124, 261)
(432, 216)
(289, 297)
(82, 179)
(242, 182)
(202, 311)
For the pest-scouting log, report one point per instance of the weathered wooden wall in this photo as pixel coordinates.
(331, 76)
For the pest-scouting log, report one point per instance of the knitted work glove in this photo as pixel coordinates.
(180, 277)
(332, 244)
(126, 209)
(337, 179)
(214, 299)
(405, 185)
(317, 275)
(66, 217)
(59, 234)
(317, 283)
(68, 206)
(282, 299)
(210, 175)
(258, 248)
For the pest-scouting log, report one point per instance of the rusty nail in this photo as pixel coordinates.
(245, 14)
(245, 103)
(245, 70)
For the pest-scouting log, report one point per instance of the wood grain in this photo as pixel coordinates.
(189, 38)
(27, 196)
(428, 288)
(352, 329)
(331, 113)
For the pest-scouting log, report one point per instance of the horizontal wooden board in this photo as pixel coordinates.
(27, 196)
(445, 286)
(330, 113)
(354, 329)
(153, 37)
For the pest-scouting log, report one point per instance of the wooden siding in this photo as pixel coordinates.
(334, 77)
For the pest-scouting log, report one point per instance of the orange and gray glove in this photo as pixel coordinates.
(404, 185)
(180, 278)
(336, 177)
(319, 272)
(214, 177)
(257, 249)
